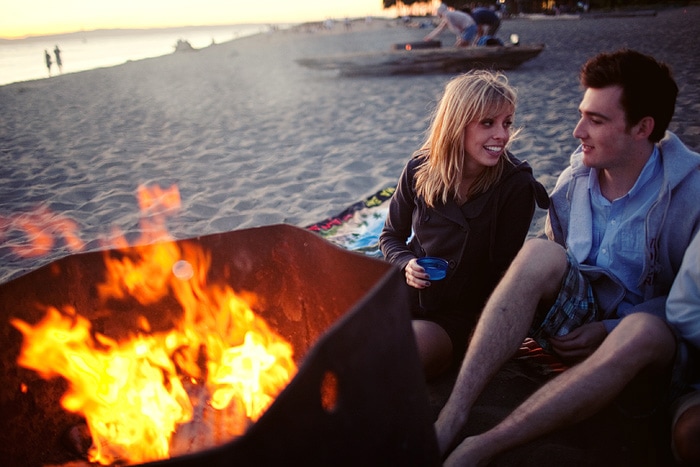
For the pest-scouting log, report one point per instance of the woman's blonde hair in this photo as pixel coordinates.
(473, 96)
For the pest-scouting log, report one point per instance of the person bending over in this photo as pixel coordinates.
(487, 22)
(459, 22)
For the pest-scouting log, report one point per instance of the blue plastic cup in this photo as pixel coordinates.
(436, 268)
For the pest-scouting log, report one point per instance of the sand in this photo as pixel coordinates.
(251, 138)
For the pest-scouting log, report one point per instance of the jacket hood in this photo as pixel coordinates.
(541, 196)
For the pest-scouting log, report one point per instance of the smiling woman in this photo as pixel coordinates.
(42, 17)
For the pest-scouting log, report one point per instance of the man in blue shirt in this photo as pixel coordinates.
(487, 21)
(593, 292)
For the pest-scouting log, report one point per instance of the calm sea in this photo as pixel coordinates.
(23, 59)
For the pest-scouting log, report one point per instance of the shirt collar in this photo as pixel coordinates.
(651, 168)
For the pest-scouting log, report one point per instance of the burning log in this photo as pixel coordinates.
(78, 440)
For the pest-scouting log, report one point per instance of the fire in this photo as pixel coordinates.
(135, 393)
(129, 392)
(40, 229)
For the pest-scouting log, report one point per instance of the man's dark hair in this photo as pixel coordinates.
(648, 87)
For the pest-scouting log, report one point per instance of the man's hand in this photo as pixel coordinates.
(579, 343)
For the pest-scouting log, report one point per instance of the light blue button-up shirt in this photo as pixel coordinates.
(619, 228)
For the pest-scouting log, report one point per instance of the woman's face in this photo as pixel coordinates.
(485, 141)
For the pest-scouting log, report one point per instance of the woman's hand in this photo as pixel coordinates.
(416, 275)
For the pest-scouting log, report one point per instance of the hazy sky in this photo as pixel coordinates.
(20, 18)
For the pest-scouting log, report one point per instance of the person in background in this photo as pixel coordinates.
(458, 22)
(47, 58)
(594, 291)
(683, 312)
(465, 198)
(487, 22)
(59, 62)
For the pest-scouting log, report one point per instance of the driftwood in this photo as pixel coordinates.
(436, 60)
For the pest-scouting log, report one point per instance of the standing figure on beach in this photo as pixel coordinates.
(47, 58)
(594, 291)
(465, 198)
(683, 312)
(59, 62)
(456, 21)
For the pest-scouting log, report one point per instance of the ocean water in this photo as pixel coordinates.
(23, 59)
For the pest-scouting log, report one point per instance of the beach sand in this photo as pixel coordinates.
(251, 138)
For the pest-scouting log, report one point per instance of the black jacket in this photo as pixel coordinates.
(479, 239)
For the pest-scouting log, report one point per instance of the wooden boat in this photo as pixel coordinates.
(408, 60)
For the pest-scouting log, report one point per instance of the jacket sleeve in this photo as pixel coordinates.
(683, 306)
(398, 225)
(554, 228)
(515, 211)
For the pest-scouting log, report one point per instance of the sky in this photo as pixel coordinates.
(21, 18)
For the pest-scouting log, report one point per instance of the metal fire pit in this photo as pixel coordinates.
(344, 313)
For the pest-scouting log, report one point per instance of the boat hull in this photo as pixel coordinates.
(422, 61)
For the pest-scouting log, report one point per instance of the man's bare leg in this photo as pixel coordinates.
(534, 276)
(640, 341)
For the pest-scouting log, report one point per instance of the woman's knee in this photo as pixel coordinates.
(686, 436)
(434, 347)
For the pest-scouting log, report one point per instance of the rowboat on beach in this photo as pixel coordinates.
(418, 60)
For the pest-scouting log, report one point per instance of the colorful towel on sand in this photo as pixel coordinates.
(357, 228)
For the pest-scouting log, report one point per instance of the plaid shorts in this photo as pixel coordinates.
(575, 305)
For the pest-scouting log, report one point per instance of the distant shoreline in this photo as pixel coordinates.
(129, 31)
(22, 60)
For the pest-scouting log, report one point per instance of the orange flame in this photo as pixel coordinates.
(131, 393)
(40, 230)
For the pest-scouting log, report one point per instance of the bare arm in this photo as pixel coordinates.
(436, 31)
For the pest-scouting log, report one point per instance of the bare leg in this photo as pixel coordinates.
(686, 433)
(534, 276)
(640, 341)
(434, 347)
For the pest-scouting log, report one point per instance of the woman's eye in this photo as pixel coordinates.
(487, 122)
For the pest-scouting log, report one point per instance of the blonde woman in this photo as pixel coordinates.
(464, 198)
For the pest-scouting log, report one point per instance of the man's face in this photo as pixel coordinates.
(602, 129)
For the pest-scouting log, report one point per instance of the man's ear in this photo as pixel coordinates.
(644, 128)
